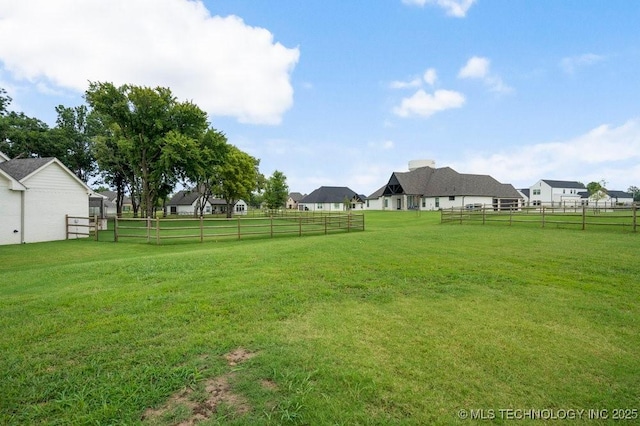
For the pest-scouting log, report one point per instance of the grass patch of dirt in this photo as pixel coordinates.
(189, 407)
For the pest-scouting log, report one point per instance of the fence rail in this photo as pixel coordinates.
(583, 217)
(81, 227)
(202, 228)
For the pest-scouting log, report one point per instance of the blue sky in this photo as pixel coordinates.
(344, 93)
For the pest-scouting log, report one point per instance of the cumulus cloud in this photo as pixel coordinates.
(479, 68)
(424, 104)
(430, 76)
(605, 152)
(457, 8)
(571, 64)
(225, 66)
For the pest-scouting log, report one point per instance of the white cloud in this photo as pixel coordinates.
(416, 82)
(476, 67)
(605, 152)
(424, 104)
(457, 8)
(480, 68)
(571, 63)
(224, 65)
(430, 76)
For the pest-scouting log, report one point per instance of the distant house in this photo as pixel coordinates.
(293, 200)
(548, 192)
(111, 205)
(607, 198)
(186, 203)
(430, 188)
(331, 199)
(36, 194)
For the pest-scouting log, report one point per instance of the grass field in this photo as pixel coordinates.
(409, 322)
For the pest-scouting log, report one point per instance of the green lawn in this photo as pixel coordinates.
(408, 322)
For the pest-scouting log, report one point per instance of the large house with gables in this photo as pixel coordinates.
(430, 188)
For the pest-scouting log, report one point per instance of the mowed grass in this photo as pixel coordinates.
(408, 322)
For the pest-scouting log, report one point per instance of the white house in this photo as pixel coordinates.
(607, 198)
(548, 192)
(185, 203)
(36, 194)
(332, 199)
(430, 188)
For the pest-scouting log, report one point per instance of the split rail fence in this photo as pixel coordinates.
(582, 217)
(81, 227)
(202, 228)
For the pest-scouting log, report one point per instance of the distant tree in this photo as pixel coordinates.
(5, 101)
(155, 133)
(597, 190)
(276, 191)
(74, 132)
(26, 137)
(635, 191)
(237, 177)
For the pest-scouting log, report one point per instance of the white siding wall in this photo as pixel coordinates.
(325, 207)
(9, 213)
(52, 194)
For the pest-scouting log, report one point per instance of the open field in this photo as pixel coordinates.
(409, 322)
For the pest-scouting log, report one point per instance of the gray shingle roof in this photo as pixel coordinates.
(330, 194)
(563, 184)
(296, 196)
(184, 198)
(19, 168)
(430, 182)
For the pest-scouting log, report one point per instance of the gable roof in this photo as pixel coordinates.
(22, 169)
(619, 194)
(442, 182)
(184, 198)
(330, 194)
(564, 184)
(296, 196)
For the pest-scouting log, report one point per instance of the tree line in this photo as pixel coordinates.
(144, 143)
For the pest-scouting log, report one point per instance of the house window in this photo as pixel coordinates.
(386, 202)
(536, 192)
(536, 202)
(173, 209)
(452, 197)
(319, 206)
(367, 203)
(424, 203)
(437, 202)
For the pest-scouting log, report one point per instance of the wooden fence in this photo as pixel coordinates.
(204, 228)
(584, 217)
(81, 227)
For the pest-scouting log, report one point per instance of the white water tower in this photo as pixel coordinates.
(416, 164)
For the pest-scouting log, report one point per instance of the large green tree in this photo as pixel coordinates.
(237, 177)
(276, 191)
(74, 132)
(635, 191)
(158, 135)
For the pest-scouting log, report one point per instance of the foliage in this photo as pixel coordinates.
(276, 191)
(75, 129)
(154, 132)
(635, 191)
(238, 177)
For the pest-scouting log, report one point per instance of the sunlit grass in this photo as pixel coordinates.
(407, 322)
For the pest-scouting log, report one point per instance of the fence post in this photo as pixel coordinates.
(511, 216)
(148, 229)
(115, 229)
(238, 227)
(484, 214)
(201, 229)
(66, 226)
(635, 216)
(157, 230)
(271, 224)
(300, 226)
(95, 226)
(543, 208)
(584, 217)
(349, 223)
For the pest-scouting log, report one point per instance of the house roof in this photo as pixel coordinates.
(526, 192)
(20, 168)
(378, 193)
(296, 196)
(112, 195)
(563, 184)
(3, 157)
(184, 198)
(430, 182)
(330, 194)
(619, 194)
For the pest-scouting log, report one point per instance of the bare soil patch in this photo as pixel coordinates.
(189, 409)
